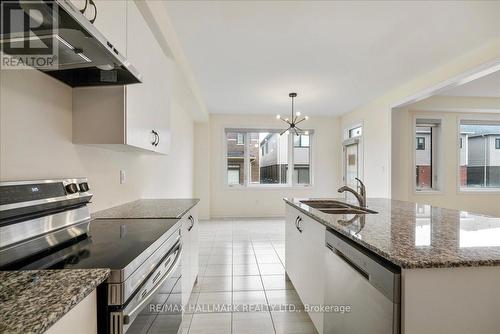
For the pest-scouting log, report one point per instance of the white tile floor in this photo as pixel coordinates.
(242, 264)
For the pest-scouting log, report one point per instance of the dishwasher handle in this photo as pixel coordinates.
(381, 274)
(349, 262)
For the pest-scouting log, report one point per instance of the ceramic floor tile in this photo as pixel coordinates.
(277, 282)
(215, 302)
(215, 283)
(293, 323)
(245, 269)
(250, 301)
(252, 323)
(271, 269)
(218, 270)
(212, 323)
(220, 259)
(247, 283)
(284, 300)
(268, 258)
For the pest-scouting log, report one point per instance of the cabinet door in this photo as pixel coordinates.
(140, 101)
(185, 261)
(194, 251)
(292, 247)
(313, 270)
(111, 20)
(161, 92)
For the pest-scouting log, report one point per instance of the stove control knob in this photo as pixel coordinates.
(84, 187)
(72, 188)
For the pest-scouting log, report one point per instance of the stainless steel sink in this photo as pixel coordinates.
(325, 204)
(336, 207)
(347, 211)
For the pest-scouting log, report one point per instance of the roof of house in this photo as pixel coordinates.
(480, 130)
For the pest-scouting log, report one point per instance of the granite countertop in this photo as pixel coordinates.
(149, 208)
(31, 301)
(412, 235)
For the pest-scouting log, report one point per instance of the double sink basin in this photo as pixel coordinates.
(336, 207)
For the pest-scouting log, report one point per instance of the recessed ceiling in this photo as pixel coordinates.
(487, 86)
(248, 55)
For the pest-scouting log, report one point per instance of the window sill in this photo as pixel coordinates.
(268, 187)
(428, 192)
(465, 191)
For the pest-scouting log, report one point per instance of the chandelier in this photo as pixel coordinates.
(293, 120)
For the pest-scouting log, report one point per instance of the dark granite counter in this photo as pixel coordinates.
(414, 235)
(32, 301)
(149, 208)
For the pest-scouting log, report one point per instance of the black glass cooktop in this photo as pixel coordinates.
(110, 243)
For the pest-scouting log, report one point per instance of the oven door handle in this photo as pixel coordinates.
(126, 317)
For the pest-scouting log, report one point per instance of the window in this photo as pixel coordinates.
(420, 143)
(479, 155)
(301, 141)
(356, 132)
(427, 132)
(240, 140)
(235, 158)
(264, 158)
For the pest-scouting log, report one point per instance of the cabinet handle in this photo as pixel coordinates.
(154, 137)
(298, 220)
(192, 223)
(158, 136)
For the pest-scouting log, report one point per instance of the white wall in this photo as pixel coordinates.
(258, 202)
(448, 196)
(376, 116)
(35, 143)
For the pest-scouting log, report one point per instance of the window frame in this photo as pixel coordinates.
(418, 144)
(347, 138)
(437, 162)
(480, 120)
(246, 168)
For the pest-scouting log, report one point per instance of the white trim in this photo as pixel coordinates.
(437, 189)
(361, 148)
(494, 119)
(463, 78)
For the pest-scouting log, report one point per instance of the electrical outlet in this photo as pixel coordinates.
(123, 176)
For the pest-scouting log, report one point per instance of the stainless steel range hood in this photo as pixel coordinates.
(83, 56)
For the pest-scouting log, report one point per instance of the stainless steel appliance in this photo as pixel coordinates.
(47, 225)
(84, 56)
(369, 285)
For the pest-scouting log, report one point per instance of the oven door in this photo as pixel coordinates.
(157, 305)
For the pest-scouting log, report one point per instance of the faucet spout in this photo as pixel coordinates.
(361, 196)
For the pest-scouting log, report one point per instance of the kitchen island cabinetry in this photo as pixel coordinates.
(304, 251)
(445, 273)
(190, 253)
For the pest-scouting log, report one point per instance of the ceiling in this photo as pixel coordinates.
(247, 56)
(487, 86)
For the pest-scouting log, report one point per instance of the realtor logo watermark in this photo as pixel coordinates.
(29, 35)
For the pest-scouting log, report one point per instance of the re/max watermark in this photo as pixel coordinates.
(221, 308)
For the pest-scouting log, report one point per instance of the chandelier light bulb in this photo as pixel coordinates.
(306, 132)
(286, 119)
(278, 116)
(307, 117)
(297, 113)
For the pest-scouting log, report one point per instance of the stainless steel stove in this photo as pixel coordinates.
(47, 225)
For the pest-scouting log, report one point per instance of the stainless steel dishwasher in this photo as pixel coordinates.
(369, 285)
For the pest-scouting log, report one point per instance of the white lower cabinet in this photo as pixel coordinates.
(81, 319)
(304, 260)
(189, 258)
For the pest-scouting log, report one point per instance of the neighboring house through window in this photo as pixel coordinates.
(479, 155)
(263, 158)
(420, 143)
(427, 133)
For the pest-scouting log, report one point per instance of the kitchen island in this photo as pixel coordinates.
(449, 261)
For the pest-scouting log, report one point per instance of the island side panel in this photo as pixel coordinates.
(81, 319)
(451, 300)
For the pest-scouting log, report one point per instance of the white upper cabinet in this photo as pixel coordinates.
(132, 116)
